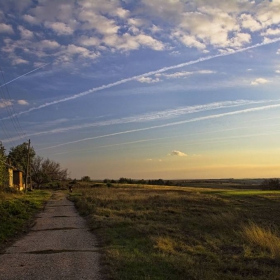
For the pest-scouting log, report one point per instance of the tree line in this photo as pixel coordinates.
(159, 182)
(42, 170)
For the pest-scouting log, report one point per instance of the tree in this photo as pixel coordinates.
(3, 168)
(44, 171)
(85, 179)
(18, 156)
(271, 184)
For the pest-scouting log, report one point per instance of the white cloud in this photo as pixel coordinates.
(89, 41)
(189, 41)
(148, 41)
(122, 13)
(49, 44)
(155, 29)
(240, 39)
(72, 50)
(5, 103)
(157, 25)
(259, 81)
(22, 102)
(148, 80)
(269, 13)
(59, 28)
(18, 60)
(248, 22)
(30, 19)
(25, 33)
(175, 53)
(184, 74)
(129, 42)
(178, 153)
(205, 72)
(92, 20)
(181, 74)
(271, 32)
(6, 28)
(277, 71)
(136, 22)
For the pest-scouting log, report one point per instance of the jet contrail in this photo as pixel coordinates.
(123, 81)
(23, 76)
(154, 116)
(190, 143)
(169, 124)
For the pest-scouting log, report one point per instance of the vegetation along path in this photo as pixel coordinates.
(59, 246)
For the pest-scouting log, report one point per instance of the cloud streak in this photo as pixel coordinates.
(154, 116)
(36, 69)
(216, 116)
(137, 77)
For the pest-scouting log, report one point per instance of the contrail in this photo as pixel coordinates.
(118, 144)
(190, 143)
(23, 76)
(155, 116)
(169, 124)
(123, 81)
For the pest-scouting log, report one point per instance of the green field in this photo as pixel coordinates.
(17, 211)
(157, 232)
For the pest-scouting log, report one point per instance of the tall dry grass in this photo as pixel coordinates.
(266, 238)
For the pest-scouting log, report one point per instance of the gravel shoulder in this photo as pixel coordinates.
(59, 246)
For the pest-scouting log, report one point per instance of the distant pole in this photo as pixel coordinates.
(27, 166)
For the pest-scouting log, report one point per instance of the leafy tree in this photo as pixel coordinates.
(85, 179)
(271, 184)
(3, 168)
(18, 156)
(44, 171)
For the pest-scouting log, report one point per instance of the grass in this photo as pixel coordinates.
(152, 232)
(267, 239)
(17, 211)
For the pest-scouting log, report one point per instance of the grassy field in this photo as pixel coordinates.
(157, 232)
(17, 212)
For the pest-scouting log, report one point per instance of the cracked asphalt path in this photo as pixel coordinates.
(59, 246)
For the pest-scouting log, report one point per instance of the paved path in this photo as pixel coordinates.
(59, 246)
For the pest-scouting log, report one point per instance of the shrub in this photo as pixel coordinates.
(271, 184)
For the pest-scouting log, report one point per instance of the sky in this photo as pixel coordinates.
(170, 89)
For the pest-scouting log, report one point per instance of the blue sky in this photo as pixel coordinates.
(144, 89)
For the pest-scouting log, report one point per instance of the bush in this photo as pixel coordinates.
(271, 184)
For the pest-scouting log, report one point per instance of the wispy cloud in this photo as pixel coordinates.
(178, 154)
(22, 102)
(216, 116)
(184, 74)
(259, 81)
(148, 74)
(191, 142)
(5, 103)
(148, 80)
(154, 116)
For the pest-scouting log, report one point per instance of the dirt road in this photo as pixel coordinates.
(59, 246)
